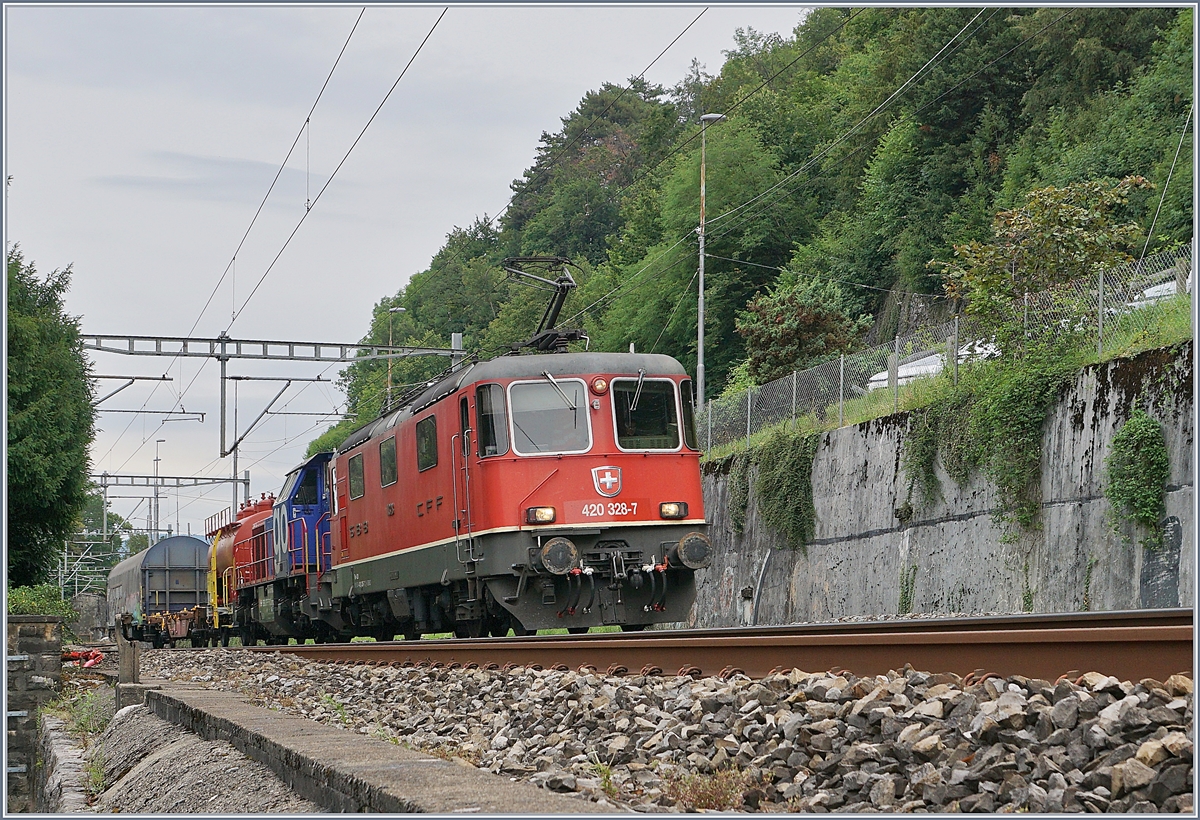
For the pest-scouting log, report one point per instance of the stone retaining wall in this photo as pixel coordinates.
(34, 649)
(93, 623)
(951, 556)
(58, 781)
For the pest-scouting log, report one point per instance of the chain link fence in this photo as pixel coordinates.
(1118, 307)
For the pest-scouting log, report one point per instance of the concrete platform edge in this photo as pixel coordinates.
(318, 762)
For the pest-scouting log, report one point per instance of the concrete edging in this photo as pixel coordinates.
(346, 772)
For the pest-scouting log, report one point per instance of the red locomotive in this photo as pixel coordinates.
(529, 492)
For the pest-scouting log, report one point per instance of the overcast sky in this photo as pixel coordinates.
(141, 140)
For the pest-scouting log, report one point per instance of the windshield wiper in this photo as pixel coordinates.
(637, 394)
(554, 384)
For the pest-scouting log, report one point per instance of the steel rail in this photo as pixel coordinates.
(1128, 646)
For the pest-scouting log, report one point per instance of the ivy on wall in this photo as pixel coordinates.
(991, 421)
(739, 490)
(1138, 466)
(784, 484)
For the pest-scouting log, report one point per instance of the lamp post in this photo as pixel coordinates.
(391, 312)
(705, 119)
(156, 460)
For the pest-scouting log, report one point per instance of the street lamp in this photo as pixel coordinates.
(391, 311)
(705, 119)
(156, 460)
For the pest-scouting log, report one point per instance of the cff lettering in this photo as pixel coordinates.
(428, 506)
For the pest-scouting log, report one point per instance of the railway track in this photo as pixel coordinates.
(1127, 645)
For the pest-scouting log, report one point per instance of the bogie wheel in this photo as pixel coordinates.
(158, 642)
(224, 637)
(519, 629)
(577, 630)
(632, 627)
(498, 627)
(412, 635)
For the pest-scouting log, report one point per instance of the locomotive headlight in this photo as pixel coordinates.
(599, 386)
(539, 515)
(673, 509)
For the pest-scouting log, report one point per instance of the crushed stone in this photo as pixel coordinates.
(907, 741)
(152, 766)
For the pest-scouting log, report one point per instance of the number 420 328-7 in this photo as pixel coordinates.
(611, 508)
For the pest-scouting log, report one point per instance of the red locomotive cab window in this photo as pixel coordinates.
(689, 414)
(427, 455)
(490, 421)
(331, 482)
(464, 416)
(550, 417)
(645, 414)
(357, 485)
(387, 462)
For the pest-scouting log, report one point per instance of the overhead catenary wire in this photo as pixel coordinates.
(667, 323)
(333, 175)
(627, 282)
(820, 276)
(304, 129)
(746, 97)
(846, 135)
(624, 90)
(1167, 184)
(991, 63)
(231, 266)
(814, 160)
(308, 209)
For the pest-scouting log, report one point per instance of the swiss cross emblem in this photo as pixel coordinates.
(607, 480)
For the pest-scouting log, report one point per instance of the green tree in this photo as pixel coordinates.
(895, 135)
(568, 203)
(1060, 234)
(796, 327)
(50, 420)
(92, 528)
(136, 543)
(655, 306)
(92, 517)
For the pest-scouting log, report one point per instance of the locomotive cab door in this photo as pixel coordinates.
(464, 526)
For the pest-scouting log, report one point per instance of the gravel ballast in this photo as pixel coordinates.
(798, 741)
(151, 766)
